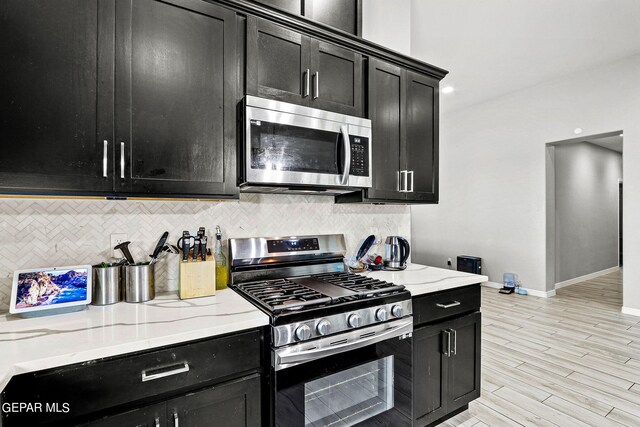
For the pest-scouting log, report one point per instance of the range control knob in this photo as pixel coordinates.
(323, 327)
(303, 332)
(381, 314)
(397, 311)
(354, 320)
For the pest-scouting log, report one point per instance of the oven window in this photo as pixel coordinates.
(349, 397)
(281, 147)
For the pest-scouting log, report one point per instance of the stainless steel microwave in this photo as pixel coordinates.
(292, 148)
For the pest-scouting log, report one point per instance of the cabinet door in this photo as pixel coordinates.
(175, 98)
(232, 404)
(420, 154)
(429, 375)
(277, 62)
(387, 133)
(336, 79)
(55, 62)
(148, 416)
(464, 363)
(292, 6)
(345, 15)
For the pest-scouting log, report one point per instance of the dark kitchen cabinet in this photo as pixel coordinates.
(148, 416)
(175, 98)
(345, 15)
(288, 66)
(446, 367)
(446, 360)
(215, 381)
(292, 6)
(232, 404)
(54, 123)
(403, 108)
(118, 97)
(235, 404)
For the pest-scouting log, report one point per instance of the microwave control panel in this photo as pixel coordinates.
(359, 156)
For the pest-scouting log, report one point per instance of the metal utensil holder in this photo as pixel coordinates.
(107, 284)
(139, 282)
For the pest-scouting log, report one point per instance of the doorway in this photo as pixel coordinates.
(584, 209)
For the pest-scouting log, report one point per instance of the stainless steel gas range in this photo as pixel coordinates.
(340, 342)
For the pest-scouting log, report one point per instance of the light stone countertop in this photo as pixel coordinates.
(422, 279)
(32, 344)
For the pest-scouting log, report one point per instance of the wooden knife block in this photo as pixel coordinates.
(197, 278)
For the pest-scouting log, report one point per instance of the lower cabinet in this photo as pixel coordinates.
(446, 367)
(233, 404)
(211, 382)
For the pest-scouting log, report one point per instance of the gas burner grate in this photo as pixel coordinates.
(284, 295)
(363, 285)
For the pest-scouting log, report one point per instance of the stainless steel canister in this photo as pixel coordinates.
(139, 282)
(107, 284)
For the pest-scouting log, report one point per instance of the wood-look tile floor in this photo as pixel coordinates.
(570, 360)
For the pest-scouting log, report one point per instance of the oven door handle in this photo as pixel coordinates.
(347, 155)
(286, 360)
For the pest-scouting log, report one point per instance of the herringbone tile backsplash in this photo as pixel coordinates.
(54, 232)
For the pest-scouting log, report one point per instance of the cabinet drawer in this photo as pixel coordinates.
(139, 377)
(430, 307)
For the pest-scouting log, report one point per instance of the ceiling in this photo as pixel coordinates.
(495, 47)
(611, 142)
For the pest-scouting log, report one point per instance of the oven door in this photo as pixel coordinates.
(294, 149)
(370, 385)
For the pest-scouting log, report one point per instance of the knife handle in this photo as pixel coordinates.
(196, 248)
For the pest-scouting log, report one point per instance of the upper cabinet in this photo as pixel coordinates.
(403, 108)
(288, 66)
(50, 133)
(131, 98)
(175, 98)
(345, 15)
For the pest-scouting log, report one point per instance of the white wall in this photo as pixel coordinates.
(492, 173)
(388, 23)
(586, 208)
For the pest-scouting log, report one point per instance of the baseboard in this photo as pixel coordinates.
(631, 311)
(532, 292)
(586, 277)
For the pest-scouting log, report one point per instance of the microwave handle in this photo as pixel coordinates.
(347, 155)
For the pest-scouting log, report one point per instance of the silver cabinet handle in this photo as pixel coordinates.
(446, 345)
(403, 181)
(410, 172)
(455, 341)
(448, 304)
(156, 374)
(104, 158)
(176, 421)
(347, 155)
(122, 160)
(306, 83)
(316, 84)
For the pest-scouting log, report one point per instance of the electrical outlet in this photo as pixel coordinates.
(116, 239)
(449, 263)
